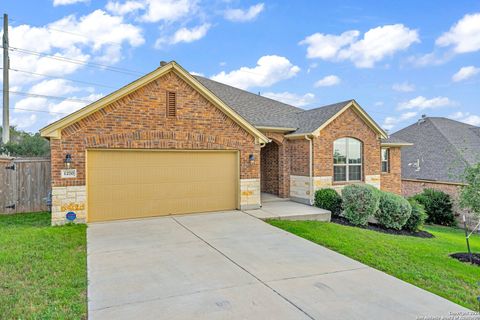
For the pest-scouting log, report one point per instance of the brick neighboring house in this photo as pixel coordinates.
(442, 149)
(173, 143)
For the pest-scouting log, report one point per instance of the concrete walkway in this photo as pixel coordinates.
(229, 265)
(284, 209)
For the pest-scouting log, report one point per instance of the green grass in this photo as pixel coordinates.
(42, 268)
(422, 262)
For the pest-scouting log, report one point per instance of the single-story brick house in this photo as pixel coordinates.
(442, 148)
(174, 143)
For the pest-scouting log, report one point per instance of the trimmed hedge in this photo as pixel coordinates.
(360, 202)
(417, 218)
(438, 206)
(393, 211)
(329, 199)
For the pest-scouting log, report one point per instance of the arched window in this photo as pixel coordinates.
(347, 160)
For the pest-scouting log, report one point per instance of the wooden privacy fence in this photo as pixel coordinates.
(24, 184)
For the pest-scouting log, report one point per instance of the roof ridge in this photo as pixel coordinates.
(251, 93)
(329, 105)
(449, 141)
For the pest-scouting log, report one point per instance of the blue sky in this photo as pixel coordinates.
(397, 59)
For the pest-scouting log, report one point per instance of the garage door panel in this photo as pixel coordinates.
(132, 184)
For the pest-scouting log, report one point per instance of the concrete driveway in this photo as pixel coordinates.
(229, 265)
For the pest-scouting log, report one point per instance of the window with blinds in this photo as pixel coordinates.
(171, 104)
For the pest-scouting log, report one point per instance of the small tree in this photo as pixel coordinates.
(470, 193)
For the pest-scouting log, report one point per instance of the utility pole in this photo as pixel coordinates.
(6, 66)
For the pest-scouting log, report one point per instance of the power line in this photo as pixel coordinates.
(59, 77)
(35, 95)
(42, 111)
(78, 62)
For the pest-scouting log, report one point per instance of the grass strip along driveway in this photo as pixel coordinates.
(42, 269)
(424, 262)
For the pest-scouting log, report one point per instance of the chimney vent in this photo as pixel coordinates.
(162, 63)
(422, 119)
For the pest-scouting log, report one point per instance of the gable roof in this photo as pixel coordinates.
(443, 148)
(258, 110)
(252, 111)
(54, 129)
(264, 112)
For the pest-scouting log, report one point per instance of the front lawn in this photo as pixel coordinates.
(42, 269)
(423, 262)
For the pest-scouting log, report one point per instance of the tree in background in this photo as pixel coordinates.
(470, 193)
(25, 144)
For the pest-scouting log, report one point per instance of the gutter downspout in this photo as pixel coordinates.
(310, 170)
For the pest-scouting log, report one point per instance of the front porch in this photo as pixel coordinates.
(274, 207)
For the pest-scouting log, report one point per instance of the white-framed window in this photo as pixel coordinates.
(347, 160)
(385, 160)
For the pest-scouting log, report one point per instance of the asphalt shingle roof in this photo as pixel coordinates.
(265, 112)
(443, 148)
(392, 139)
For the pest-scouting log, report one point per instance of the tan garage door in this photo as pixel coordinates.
(132, 184)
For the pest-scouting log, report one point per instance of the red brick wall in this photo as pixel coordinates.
(139, 120)
(392, 181)
(278, 155)
(269, 168)
(299, 157)
(348, 124)
(411, 188)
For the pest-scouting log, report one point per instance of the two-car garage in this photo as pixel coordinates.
(125, 184)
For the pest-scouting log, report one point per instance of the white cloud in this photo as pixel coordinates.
(403, 87)
(328, 81)
(68, 106)
(183, 35)
(429, 59)
(189, 35)
(67, 2)
(378, 103)
(269, 70)
(327, 46)
(376, 44)
(466, 117)
(421, 103)
(464, 73)
(464, 36)
(391, 122)
(291, 98)
(23, 121)
(124, 8)
(54, 87)
(193, 73)
(97, 36)
(154, 10)
(239, 15)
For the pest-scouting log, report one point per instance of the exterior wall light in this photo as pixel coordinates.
(68, 160)
(251, 158)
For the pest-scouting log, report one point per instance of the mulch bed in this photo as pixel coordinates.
(378, 228)
(465, 257)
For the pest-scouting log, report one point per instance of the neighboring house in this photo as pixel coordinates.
(442, 149)
(173, 143)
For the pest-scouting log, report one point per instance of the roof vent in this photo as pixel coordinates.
(422, 119)
(163, 63)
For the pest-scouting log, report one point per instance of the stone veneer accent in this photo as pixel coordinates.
(300, 186)
(300, 189)
(65, 199)
(250, 194)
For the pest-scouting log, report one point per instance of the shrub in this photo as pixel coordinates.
(393, 211)
(438, 206)
(329, 199)
(417, 218)
(360, 202)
